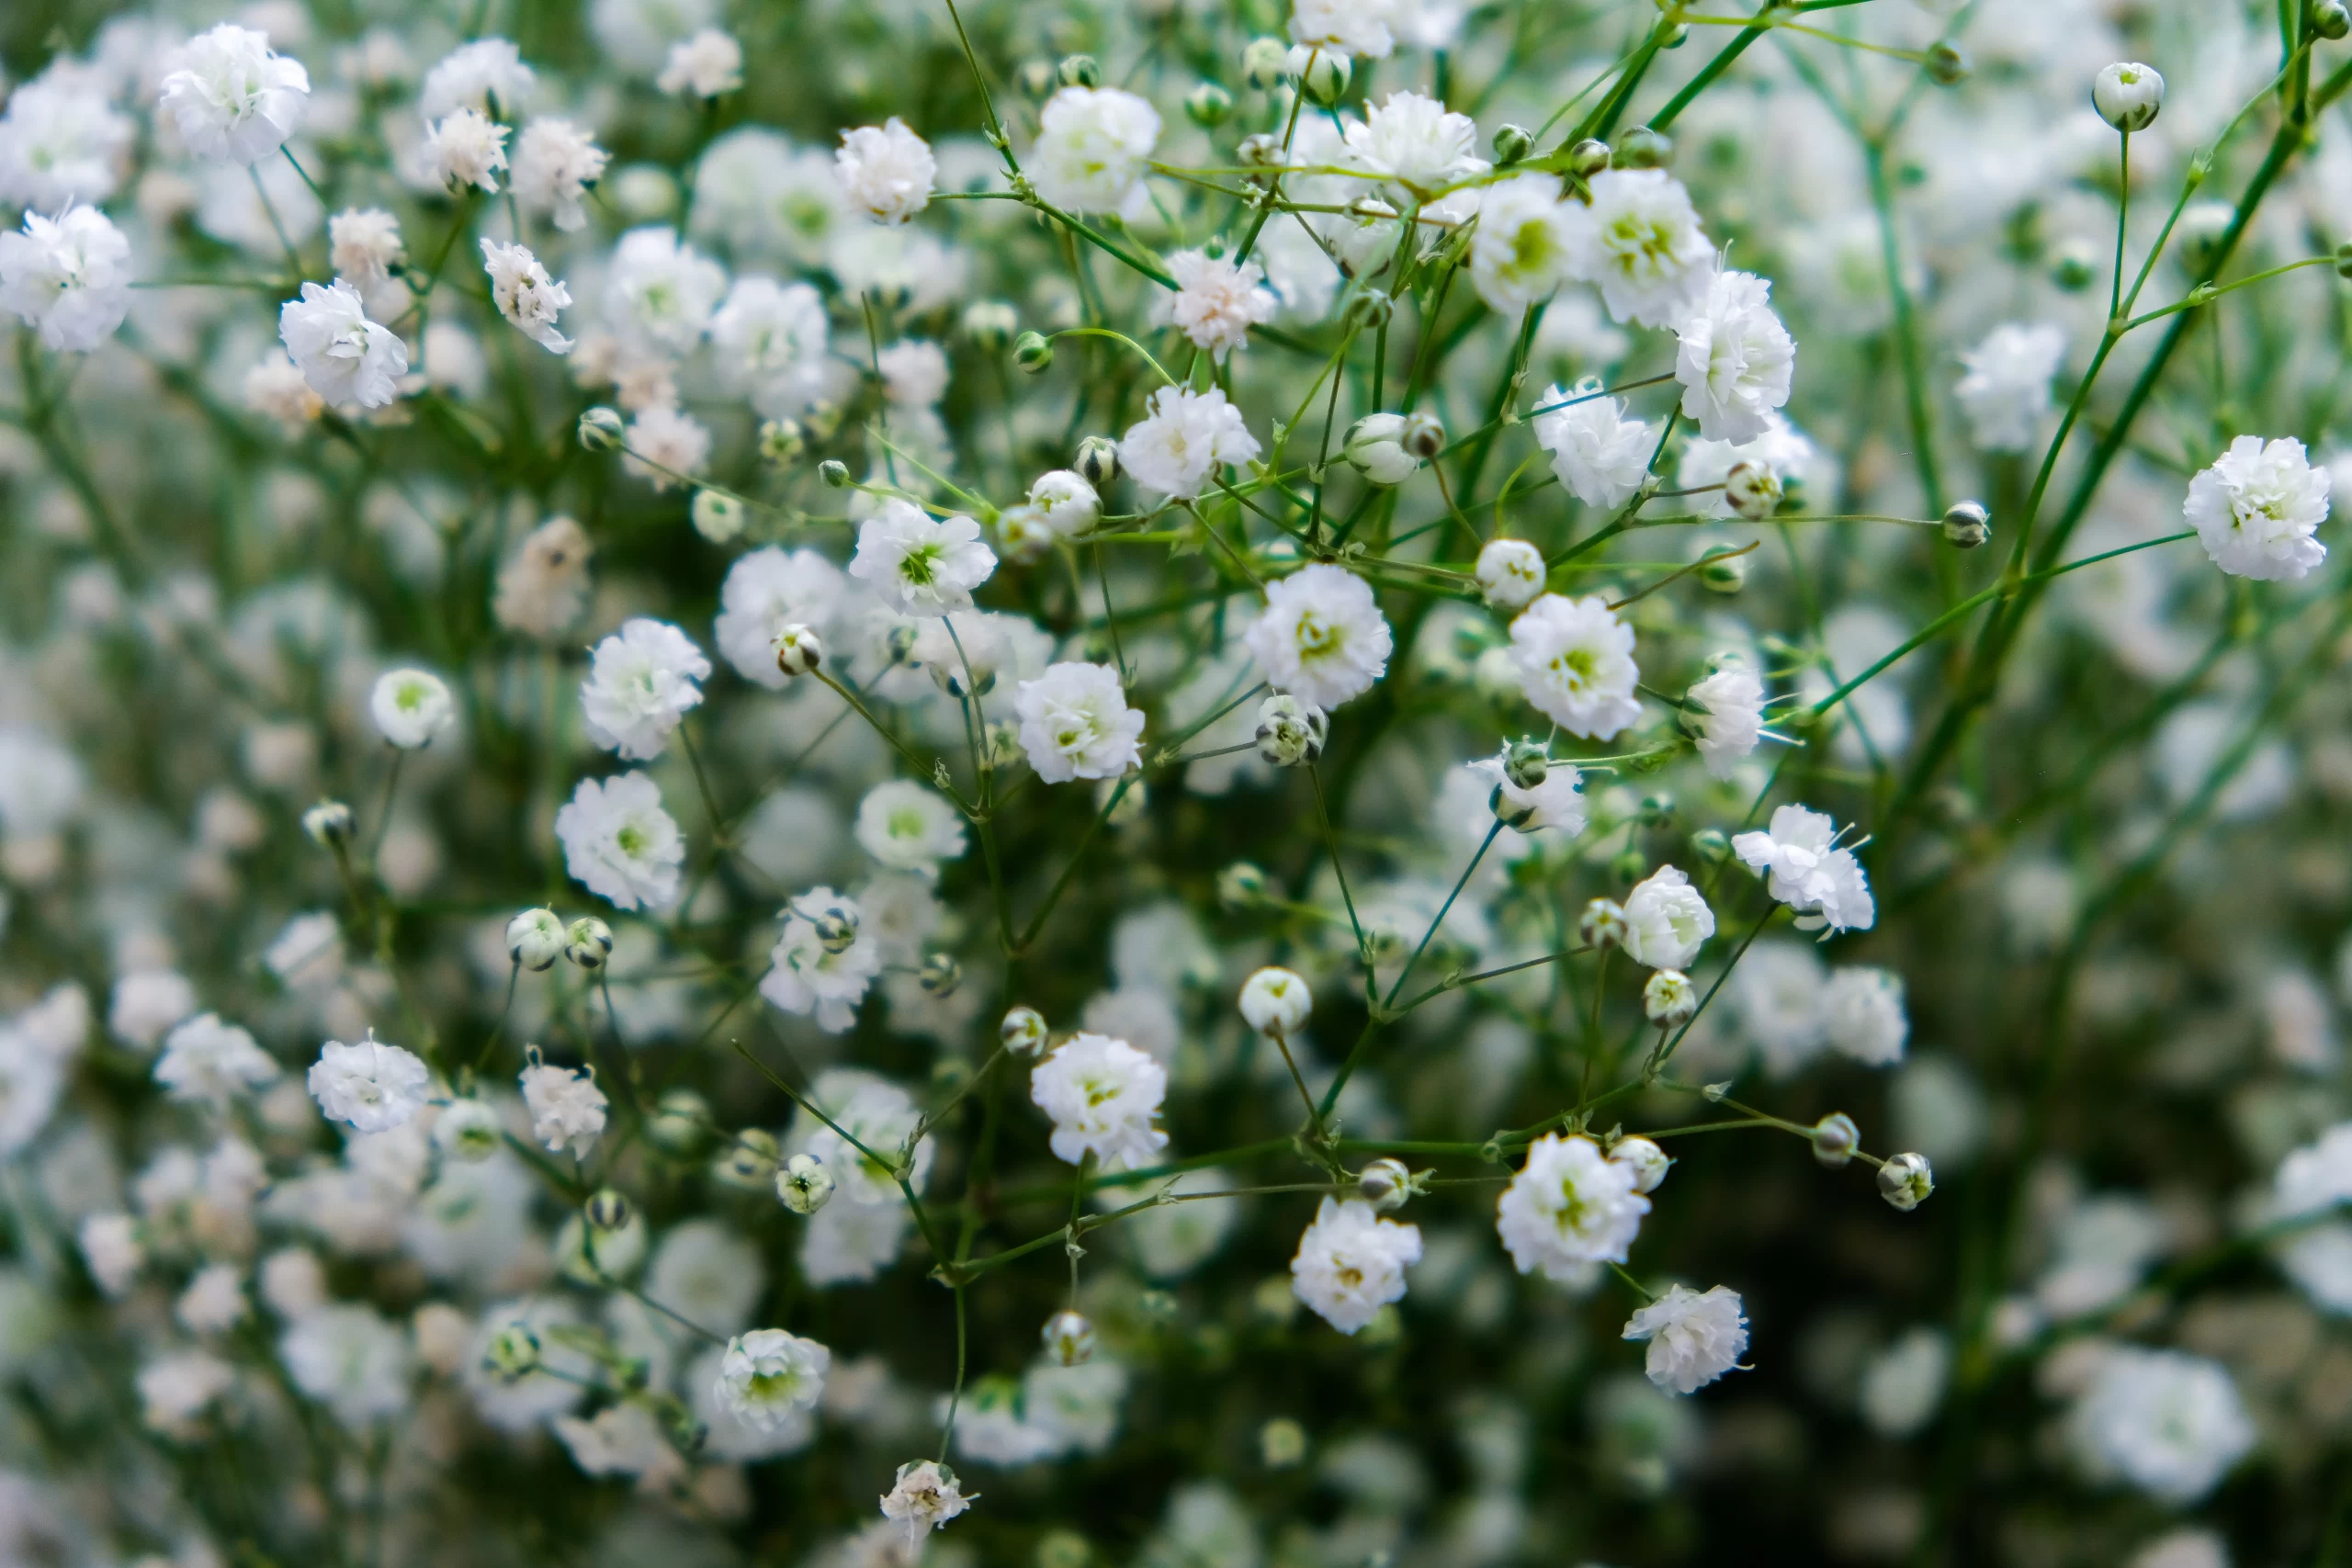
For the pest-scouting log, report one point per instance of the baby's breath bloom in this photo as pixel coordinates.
(369, 1086)
(1104, 1096)
(1182, 438)
(618, 842)
(343, 357)
(364, 245)
(768, 1376)
(1666, 921)
(1574, 659)
(1351, 1263)
(1695, 1337)
(1076, 724)
(555, 163)
(2006, 390)
(2258, 507)
(465, 148)
(1597, 451)
(908, 827)
(1737, 360)
(567, 1108)
(1519, 252)
(544, 585)
(666, 445)
(1729, 719)
(1569, 1207)
(1216, 302)
(641, 681)
(61, 143)
(231, 97)
(487, 75)
(2167, 1422)
(1862, 1016)
(923, 565)
(886, 171)
(1091, 148)
(410, 707)
(1641, 241)
(1416, 141)
(923, 1497)
(706, 64)
(823, 961)
(765, 591)
(208, 1060)
(525, 295)
(1345, 27)
(659, 294)
(1808, 870)
(69, 277)
(1322, 639)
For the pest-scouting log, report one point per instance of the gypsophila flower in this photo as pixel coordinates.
(2006, 392)
(1520, 253)
(69, 277)
(666, 446)
(1351, 1263)
(768, 1375)
(369, 1086)
(1348, 27)
(410, 707)
(2169, 1422)
(111, 1248)
(1076, 724)
(2258, 507)
(487, 75)
(922, 565)
(641, 682)
(1569, 1207)
(886, 171)
(364, 245)
(620, 843)
(1415, 140)
(1640, 243)
(1694, 1338)
(923, 1497)
(1728, 720)
(146, 1003)
(1104, 1096)
(175, 1389)
(765, 591)
(2128, 96)
(1275, 1001)
(1666, 921)
(1322, 639)
(351, 1359)
(543, 587)
(206, 1059)
(1069, 504)
(1185, 436)
(1574, 659)
(823, 959)
(1809, 871)
(61, 143)
(1554, 803)
(1597, 451)
(1510, 573)
(343, 357)
(465, 149)
(231, 97)
(907, 827)
(1216, 302)
(1093, 145)
(1737, 360)
(555, 162)
(525, 295)
(659, 294)
(567, 1108)
(1863, 1015)
(706, 64)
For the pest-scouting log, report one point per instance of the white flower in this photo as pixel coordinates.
(525, 295)
(351, 1359)
(1349, 27)
(206, 1059)
(1511, 573)
(110, 1246)
(1093, 145)
(277, 390)
(765, 591)
(909, 828)
(567, 1108)
(1415, 140)
(69, 277)
(1575, 665)
(921, 1498)
(1597, 452)
(666, 446)
(886, 171)
(487, 75)
(1075, 724)
(707, 64)
(215, 1301)
(177, 1388)
(640, 683)
(1666, 920)
(146, 1003)
(2006, 390)
(368, 1085)
(1182, 439)
(31, 1078)
(1216, 302)
(410, 708)
(660, 294)
(1861, 1013)
(1808, 870)
(2256, 508)
(555, 163)
(2310, 1181)
(61, 143)
(1103, 1095)
(769, 1375)
(464, 148)
(922, 565)
(1729, 719)
(1694, 1338)
(1640, 243)
(1570, 1207)
(914, 372)
(1556, 802)
(878, 1114)
(1322, 639)
(1519, 252)
(1351, 1263)
(1069, 504)
(1276, 1001)
(544, 585)
(768, 340)
(2128, 96)
(231, 98)
(620, 843)
(622, 1439)
(363, 245)
(823, 959)
(2167, 1422)
(1737, 360)
(343, 357)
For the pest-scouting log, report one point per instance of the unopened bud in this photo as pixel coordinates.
(1527, 763)
(1208, 105)
(1722, 573)
(1835, 1139)
(1260, 151)
(1645, 1159)
(1068, 1338)
(328, 823)
(836, 928)
(1276, 1001)
(2331, 20)
(513, 1352)
(804, 1184)
(2344, 259)
(1669, 999)
(1512, 142)
(2074, 266)
(1752, 490)
(1078, 71)
(1384, 1184)
(1290, 732)
(1265, 63)
(680, 1120)
(1367, 311)
(716, 517)
(2127, 96)
(782, 441)
(1906, 1180)
(608, 1211)
(1240, 886)
(600, 429)
(834, 472)
(1323, 75)
(1589, 157)
(535, 938)
(989, 325)
(1032, 353)
(940, 975)
(1967, 525)
(1035, 78)
(748, 1162)
(799, 648)
(1374, 448)
(1947, 64)
(1098, 461)
(1711, 845)
(1023, 1032)
(1424, 436)
(588, 942)
(1642, 148)
(1603, 924)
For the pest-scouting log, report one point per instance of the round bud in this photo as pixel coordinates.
(1589, 157)
(1282, 1442)
(1035, 78)
(940, 975)
(799, 648)
(1374, 448)
(608, 1211)
(1291, 733)
(513, 1352)
(1098, 460)
(1032, 353)
(1511, 573)
(1603, 924)
(1384, 1184)
(1207, 106)
(467, 1130)
(2332, 20)
(899, 645)
(328, 823)
(1260, 151)
(1642, 148)
(1512, 142)
(1752, 490)
(680, 1120)
(1835, 1139)
(804, 1184)
(535, 938)
(1947, 64)
(1645, 1160)
(834, 472)
(2074, 266)
(1967, 525)
(989, 325)
(821, 418)
(1527, 763)
(1722, 573)
(1669, 999)
(1629, 867)
(1240, 886)
(600, 429)
(1023, 1032)
(1069, 1338)
(1424, 436)
(1276, 1001)
(1265, 63)
(1711, 845)
(1323, 77)
(748, 1162)
(1078, 71)
(1001, 744)
(588, 942)
(2344, 259)
(782, 441)
(1367, 311)
(1656, 808)
(1906, 1180)
(836, 926)
(2127, 95)
(716, 517)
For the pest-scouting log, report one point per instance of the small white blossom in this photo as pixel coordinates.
(1598, 453)
(466, 149)
(1737, 360)
(177, 1388)
(110, 1248)
(525, 295)
(886, 171)
(567, 1108)
(620, 843)
(768, 1376)
(666, 445)
(146, 1003)
(1276, 1001)
(823, 961)
(659, 294)
(62, 143)
(364, 245)
(1808, 870)
(343, 357)
(215, 1301)
(1519, 252)
(765, 591)
(641, 682)
(1862, 1016)
(206, 1059)
(369, 1086)
(1569, 1207)
(1103, 1095)
(1729, 720)
(1415, 140)
(1574, 659)
(908, 827)
(352, 1359)
(487, 75)
(1322, 639)
(1069, 504)
(1076, 724)
(410, 707)
(555, 163)
(1183, 436)
(1666, 921)
(1216, 302)
(922, 565)
(2168, 1423)
(69, 277)
(923, 1497)
(2007, 391)
(1351, 1263)
(2258, 507)
(1641, 241)
(1694, 1338)
(231, 98)
(1510, 572)
(707, 64)
(1348, 27)
(543, 587)
(1091, 148)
